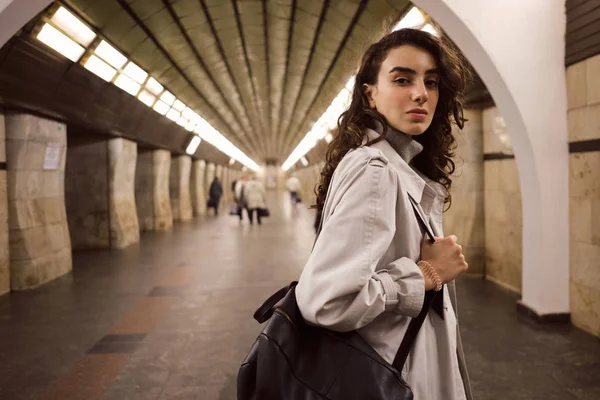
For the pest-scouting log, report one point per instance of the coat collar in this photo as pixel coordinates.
(417, 185)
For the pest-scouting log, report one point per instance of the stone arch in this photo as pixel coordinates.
(14, 14)
(523, 67)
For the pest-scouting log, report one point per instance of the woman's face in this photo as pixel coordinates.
(406, 92)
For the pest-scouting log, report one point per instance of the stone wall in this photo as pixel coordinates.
(124, 226)
(465, 217)
(100, 194)
(583, 94)
(197, 187)
(309, 178)
(144, 190)
(86, 193)
(4, 253)
(181, 203)
(503, 209)
(40, 248)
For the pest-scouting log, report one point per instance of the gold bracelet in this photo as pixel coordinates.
(432, 273)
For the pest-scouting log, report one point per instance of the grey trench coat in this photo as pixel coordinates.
(362, 273)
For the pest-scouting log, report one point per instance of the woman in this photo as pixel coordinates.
(254, 196)
(371, 267)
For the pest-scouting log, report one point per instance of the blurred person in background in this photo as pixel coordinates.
(255, 198)
(293, 186)
(214, 195)
(239, 195)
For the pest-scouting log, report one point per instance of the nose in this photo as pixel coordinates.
(420, 94)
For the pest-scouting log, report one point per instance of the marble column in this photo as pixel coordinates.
(181, 202)
(4, 247)
(152, 190)
(197, 187)
(40, 248)
(161, 170)
(226, 185)
(100, 193)
(124, 225)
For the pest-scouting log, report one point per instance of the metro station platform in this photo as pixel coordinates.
(171, 318)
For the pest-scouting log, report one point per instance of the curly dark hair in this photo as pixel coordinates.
(435, 161)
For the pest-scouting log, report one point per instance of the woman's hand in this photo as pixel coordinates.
(446, 258)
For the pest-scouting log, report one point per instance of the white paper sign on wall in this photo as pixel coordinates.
(52, 156)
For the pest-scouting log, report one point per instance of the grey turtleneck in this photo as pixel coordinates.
(404, 144)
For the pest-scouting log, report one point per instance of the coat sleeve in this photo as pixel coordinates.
(340, 288)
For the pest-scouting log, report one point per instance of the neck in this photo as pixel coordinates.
(404, 144)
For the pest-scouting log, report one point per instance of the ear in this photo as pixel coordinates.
(369, 90)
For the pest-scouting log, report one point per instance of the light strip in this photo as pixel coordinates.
(173, 115)
(193, 146)
(413, 19)
(110, 54)
(154, 87)
(147, 98)
(135, 72)
(179, 106)
(161, 107)
(60, 42)
(73, 27)
(100, 68)
(128, 84)
(107, 61)
(168, 98)
(182, 121)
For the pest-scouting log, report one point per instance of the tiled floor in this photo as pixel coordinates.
(171, 318)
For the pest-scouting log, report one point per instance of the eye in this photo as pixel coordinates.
(402, 81)
(432, 83)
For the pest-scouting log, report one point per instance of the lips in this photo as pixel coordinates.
(418, 111)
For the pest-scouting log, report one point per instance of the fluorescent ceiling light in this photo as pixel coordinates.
(110, 54)
(100, 68)
(190, 126)
(182, 121)
(161, 107)
(413, 19)
(154, 87)
(179, 106)
(60, 42)
(429, 28)
(128, 84)
(73, 27)
(135, 72)
(193, 146)
(146, 98)
(189, 114)
(173, 114)
(168, 98)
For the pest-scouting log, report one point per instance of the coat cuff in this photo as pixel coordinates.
(404, 287)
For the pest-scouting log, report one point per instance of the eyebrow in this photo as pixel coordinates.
(412, 71)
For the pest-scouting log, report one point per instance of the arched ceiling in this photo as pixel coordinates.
(261, 72)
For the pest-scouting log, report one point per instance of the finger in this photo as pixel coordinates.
(453, 238)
